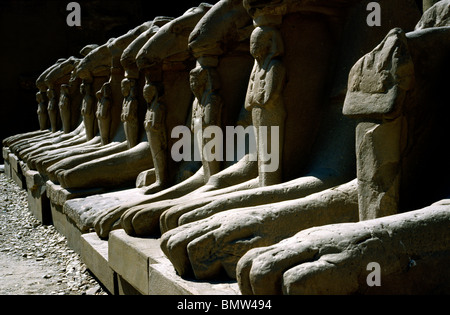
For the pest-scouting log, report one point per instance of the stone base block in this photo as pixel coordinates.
(16, 170)
(64, 226)
(163, 280)
(94, 253)
(125, 288)
(130, 258)
(5, 154)
(58, 196)
(142, 264)
(38, 202)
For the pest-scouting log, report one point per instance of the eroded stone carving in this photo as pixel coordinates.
(330, 157)
(381, 79)
(265, 101)
(164, 112)
(58, 71)
(165, 61)
(103, 113)
(100, 63)
(167, 75)
(129, 116)
(154, 125)
(41, 97)
(230, 39)
(87, 170)
(332, 259)
(56, 77)
(141, 216)
(94, 69)
(206, 110)
(392, 141)
(88, 109)
(311, 225)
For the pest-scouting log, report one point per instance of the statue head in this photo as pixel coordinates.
(87, 49)
(378, 82)
(119, 44)
(266, 42)
(65, 89)
(198, 80)
(128, 58)
(171, 41)
(96, 63)
(99, 95)
(40, 82)
(61, 73)
(40, 97)
(42, 110)
(204, 79)
(150, 92)
(126, 85)
(50, 93)
(222, 28)
(83, 90)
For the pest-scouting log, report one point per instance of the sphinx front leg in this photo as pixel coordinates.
(214, 245)
(335, 259)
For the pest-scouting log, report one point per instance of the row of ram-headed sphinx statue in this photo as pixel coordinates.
(362, 174)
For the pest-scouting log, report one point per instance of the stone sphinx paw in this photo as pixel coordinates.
(63, 177)
(142, 220)
(170, 218)
(212, 246)
(107, 221)
(330, 259)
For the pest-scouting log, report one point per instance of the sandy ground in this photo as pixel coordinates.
(26, 276)
(35, 259)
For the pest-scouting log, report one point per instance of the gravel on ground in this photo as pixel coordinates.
(35, 258)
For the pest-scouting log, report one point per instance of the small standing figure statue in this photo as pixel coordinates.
(129, 115)
(88, 109)
(156, 134)
(42, 110)
(53, 109)
(103, 111)
(64, 107)
(206, 111)
(265, 101)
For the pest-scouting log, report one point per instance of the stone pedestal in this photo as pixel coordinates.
(94, 253)
(62, 222)
(16, 170)
(5, 154)
(140, 263)
(38, 202)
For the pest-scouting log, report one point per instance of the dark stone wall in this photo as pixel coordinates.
(34, 34)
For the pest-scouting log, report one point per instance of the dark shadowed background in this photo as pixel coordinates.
(34, 34)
